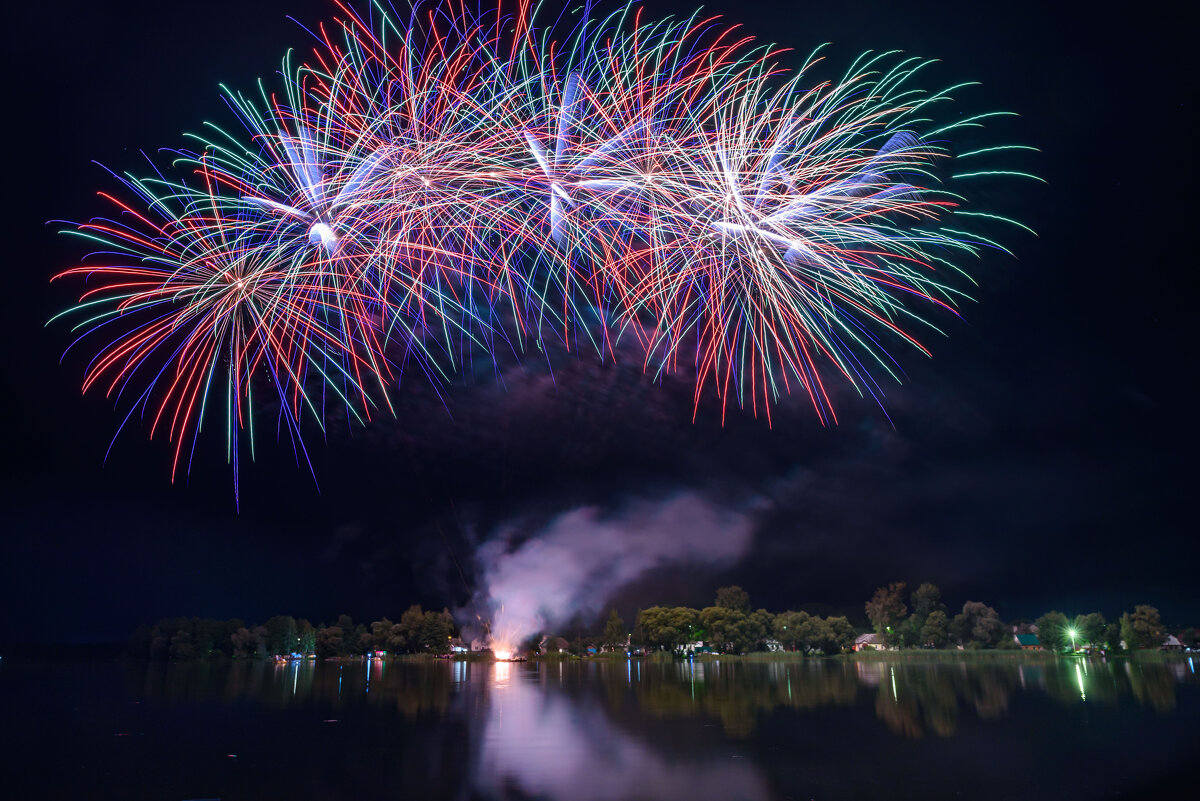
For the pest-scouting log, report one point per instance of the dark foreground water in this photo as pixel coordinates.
(601, 730)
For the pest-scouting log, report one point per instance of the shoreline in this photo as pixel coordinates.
(108, 653)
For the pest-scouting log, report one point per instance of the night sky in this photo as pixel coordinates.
(1040, 460)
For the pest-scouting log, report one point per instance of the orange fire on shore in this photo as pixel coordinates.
(502, 645)
(503, 640)
(503, 650)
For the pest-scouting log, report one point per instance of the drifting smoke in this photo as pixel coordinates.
(581, 558)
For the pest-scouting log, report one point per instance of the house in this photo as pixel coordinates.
(1172, 643)
(555, 645)
(457, 646)
(623, 647)
(873, 641)
(1028, 642)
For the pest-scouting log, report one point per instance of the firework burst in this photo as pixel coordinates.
(469, 182)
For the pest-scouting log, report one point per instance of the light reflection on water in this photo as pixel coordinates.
(545, 742)
(600, 730)
(732, 692)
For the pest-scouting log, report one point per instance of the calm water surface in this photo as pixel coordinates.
(600, 730)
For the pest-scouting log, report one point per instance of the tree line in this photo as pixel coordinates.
(899, 618)
(923, 622)
(730, 625)
(181, 638)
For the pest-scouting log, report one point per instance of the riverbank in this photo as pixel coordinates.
(114, 652)
(913, 655)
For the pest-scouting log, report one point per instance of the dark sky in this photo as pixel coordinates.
(1039, 460)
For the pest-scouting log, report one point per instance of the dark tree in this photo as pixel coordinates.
(437, 630)
(1112, 635)
(422, 632)
(935, 632)
(978, 626)
(1052, 631)
(614, 631)
(1188, 637)
(307, 635)
(1091, 629)
(359, 641)
(224, 644)
(723, 627)
(886, 609)
(281, 634)
(329, 641)
(638, 635)
(206, 632)
(1143, 628)
(734, 598)
(925, 600)
(381, 632)
(243, 643)
(408, 634)
(182, 646)
(667, 627)
(653, 628)
(792, 629)
(841, 635)
(760, 627)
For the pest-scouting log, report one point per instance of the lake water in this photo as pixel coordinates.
(598, 731)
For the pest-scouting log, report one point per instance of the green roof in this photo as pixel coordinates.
(1028, 639)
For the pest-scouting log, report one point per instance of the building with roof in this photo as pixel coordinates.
(1028, 642)
(873, 641)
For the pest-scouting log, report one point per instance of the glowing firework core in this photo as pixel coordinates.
(322, 233)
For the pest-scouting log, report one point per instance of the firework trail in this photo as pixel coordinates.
(460, 182)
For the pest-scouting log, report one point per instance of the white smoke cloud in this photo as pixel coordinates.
(581, 558)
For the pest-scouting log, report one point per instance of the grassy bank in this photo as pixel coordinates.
(922, 655)
(757, 656)
(910, 655)
(1157, 656)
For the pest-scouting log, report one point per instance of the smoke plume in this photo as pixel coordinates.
(581, 558)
